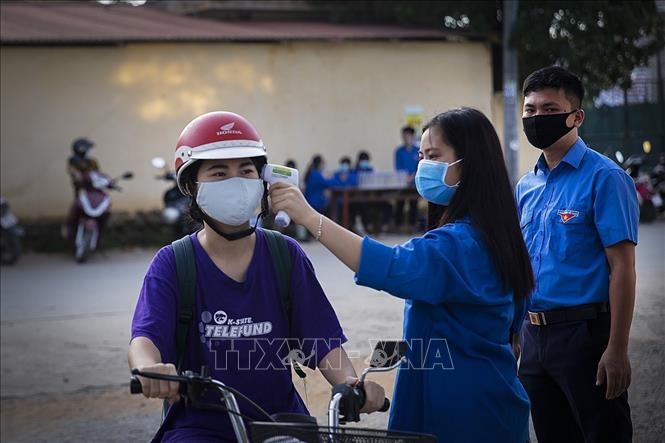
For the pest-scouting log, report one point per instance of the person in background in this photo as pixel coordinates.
(378, 214)
(290, 163)
(316, 184)
(363, 163)
(579, 217)
(79, 164)
(406, 159)
(344, 177)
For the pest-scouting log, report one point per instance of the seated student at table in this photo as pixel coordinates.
(406, 159)
(344, 177)
(363, 163)
(379, 214)
(316, 185)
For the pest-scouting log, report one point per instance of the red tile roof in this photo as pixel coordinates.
(79, 23)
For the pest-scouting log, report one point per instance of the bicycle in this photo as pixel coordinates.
(345, 404)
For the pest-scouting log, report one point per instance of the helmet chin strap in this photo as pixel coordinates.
(234, 235)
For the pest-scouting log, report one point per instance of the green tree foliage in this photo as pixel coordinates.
(602, 41)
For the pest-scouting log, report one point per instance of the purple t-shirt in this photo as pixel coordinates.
(239, 331)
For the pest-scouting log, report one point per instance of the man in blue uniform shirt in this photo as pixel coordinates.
(406, 159)
(579, 216)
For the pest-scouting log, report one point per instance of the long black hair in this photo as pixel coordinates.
(313, 165)
(188, 179)
(484, 194)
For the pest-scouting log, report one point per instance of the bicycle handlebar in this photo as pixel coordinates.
(346, 403)
(135, 386)
(354, 396)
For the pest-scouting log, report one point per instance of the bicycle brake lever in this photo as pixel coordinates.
(350, 403)
(159, 376)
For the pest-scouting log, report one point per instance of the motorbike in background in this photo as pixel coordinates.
(176, 204)
(657, 176)
(651, 203)
(10, 235)
(93, 205)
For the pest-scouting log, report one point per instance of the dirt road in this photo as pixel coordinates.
(65, 329)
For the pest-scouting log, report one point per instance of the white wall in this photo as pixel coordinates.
(331, 98)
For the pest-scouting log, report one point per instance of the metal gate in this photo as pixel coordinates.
(632, 121)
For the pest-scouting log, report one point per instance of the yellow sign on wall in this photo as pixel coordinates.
(414, 116)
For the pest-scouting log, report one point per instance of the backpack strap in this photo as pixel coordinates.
(281, 259)
(185, 263)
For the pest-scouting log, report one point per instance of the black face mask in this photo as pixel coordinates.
(543, 130)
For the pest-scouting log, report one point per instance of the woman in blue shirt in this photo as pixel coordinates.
(316, 185)
(464, 284)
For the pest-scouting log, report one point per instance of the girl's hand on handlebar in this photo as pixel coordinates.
(288, 198)
(160, 388)
(374, 395)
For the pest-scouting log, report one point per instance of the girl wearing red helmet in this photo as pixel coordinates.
(239, 328)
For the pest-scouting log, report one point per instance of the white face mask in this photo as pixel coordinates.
(232, 201)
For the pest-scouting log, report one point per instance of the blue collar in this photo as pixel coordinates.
(573, 157)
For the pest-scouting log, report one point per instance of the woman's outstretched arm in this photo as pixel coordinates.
(344, 244)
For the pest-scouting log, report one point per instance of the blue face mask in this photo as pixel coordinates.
(363, 164)
(344, 167)
(431, 181)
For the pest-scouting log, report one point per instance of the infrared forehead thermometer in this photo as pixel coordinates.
(280, 174)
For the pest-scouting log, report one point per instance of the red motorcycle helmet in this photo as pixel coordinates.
(216, 135)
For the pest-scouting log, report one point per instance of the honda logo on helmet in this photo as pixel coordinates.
(228, 129)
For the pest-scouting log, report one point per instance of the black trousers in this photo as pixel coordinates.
(558, 370)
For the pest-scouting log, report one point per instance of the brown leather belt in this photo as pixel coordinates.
(565, 315)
